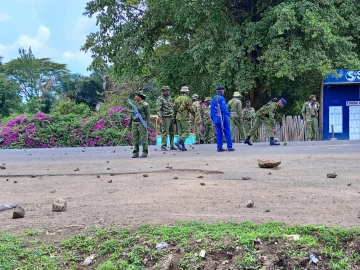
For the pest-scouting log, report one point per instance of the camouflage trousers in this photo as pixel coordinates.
(167, 129)
(184, 129)
(247, 126)
(236, 123)
(311, 128)
(197, 132)
(209, 136)
(260, 119)
(140, 133)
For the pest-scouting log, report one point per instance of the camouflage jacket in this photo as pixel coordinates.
(235, 107)
(248, 114)
(183, 107)
(205, 110)
(164, 106)
(310, 109)
(144, 110)
(197, 110)
(268, 110)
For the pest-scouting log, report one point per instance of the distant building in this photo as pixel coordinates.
(341, 105)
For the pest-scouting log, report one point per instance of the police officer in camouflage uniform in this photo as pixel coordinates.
(310, 112)
(235, 107)
(197, 119)
(183, 108)
(266, 116)
(165, 113)
(248, 116)
(139, 132)
(208, 124)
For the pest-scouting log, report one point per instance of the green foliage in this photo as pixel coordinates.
(262, 48)
(70, 107)
(35, 76)
(9, 97)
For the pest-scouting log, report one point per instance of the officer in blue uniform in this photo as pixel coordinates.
(220, 116)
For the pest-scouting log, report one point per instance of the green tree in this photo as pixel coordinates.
(82, 89)
(259, 47)
(37, 78)
(10, 98)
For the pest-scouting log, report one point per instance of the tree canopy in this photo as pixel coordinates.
(259, 47)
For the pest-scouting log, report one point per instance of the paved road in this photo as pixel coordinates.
(298, 192)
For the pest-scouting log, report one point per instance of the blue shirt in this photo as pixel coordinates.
(213, 108)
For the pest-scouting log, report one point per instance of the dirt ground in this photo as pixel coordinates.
(297, 192)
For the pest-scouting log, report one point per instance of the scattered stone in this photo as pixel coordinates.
(166, 263)
(15, 182)
(198, 241)
(107, 161)
(170, 168)
(88, 260)
(131, 147)
(257, 241)
(250, 204)
(8, 206)
(155, 149)
(202, 253)
(174, 154)
(202, 184)
(3, 164)
(163, 153)
(33, 176)
(268, 163)
(52, 191)
(112, 174)
(349, 185)
(108, 169)
(245, 178)
(110, 181)
(145, 175)
(98, 176)
(82, 150)
(59, 205)
(193, 147)
(269, 173)
(76, 170)
(162, 245)
(291, 237)
(267, 210)
(19, 212)
(285, 144)
(331, 175)
(167, 167)
(2, 167)
(200, 176)
(175, 177)
(197, 153)
(113, 151)
(7, 180)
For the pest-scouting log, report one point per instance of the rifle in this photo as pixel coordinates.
(218, 113)
(273, 100)
(137, 114)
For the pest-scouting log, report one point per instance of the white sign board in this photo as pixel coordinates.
(352, 103)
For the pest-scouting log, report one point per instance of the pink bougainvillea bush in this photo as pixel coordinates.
(43, 131)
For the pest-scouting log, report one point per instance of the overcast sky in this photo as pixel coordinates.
(53, 28)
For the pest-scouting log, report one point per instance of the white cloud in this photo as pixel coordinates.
(4, 17)
(37, 43)
(80, 56)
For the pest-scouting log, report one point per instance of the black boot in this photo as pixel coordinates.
(272, 141)
(178, 144)
(247, 140)
(183, 147)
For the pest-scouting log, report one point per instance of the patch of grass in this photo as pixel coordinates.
(136, 249)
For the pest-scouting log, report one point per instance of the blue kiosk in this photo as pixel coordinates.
(341, 105)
